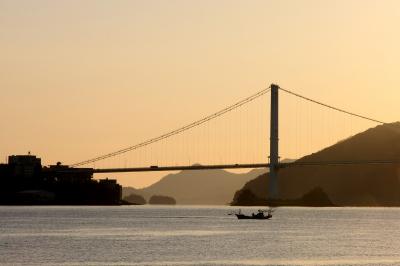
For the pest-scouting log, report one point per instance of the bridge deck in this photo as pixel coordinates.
(226, 166)
(177, 168)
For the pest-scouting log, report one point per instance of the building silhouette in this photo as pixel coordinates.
(25, 181)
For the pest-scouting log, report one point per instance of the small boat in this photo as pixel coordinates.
(260, 215)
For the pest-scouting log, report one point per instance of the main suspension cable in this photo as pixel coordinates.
(177, 131)
(332, 107)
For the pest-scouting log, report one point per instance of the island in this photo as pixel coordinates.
(162, 200)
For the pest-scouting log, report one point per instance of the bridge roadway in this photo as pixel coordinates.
(224, 166)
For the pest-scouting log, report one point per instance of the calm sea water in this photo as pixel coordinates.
(154, 235)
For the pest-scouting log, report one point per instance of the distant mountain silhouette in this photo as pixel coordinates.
(208, 187)
(126, 191)
(350, 185)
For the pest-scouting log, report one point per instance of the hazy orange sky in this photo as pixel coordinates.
(83, 78)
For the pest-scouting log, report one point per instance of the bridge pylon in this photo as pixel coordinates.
(274, 146)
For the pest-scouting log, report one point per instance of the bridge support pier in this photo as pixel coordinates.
(274, 139)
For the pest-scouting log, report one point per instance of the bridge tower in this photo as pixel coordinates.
(274, 139)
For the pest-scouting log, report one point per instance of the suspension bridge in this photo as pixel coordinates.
(200, 134)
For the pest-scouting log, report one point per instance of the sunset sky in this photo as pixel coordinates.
(83, 78)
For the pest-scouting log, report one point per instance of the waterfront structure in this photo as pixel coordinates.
(25, 181)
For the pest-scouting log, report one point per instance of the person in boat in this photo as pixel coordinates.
(257, 215)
